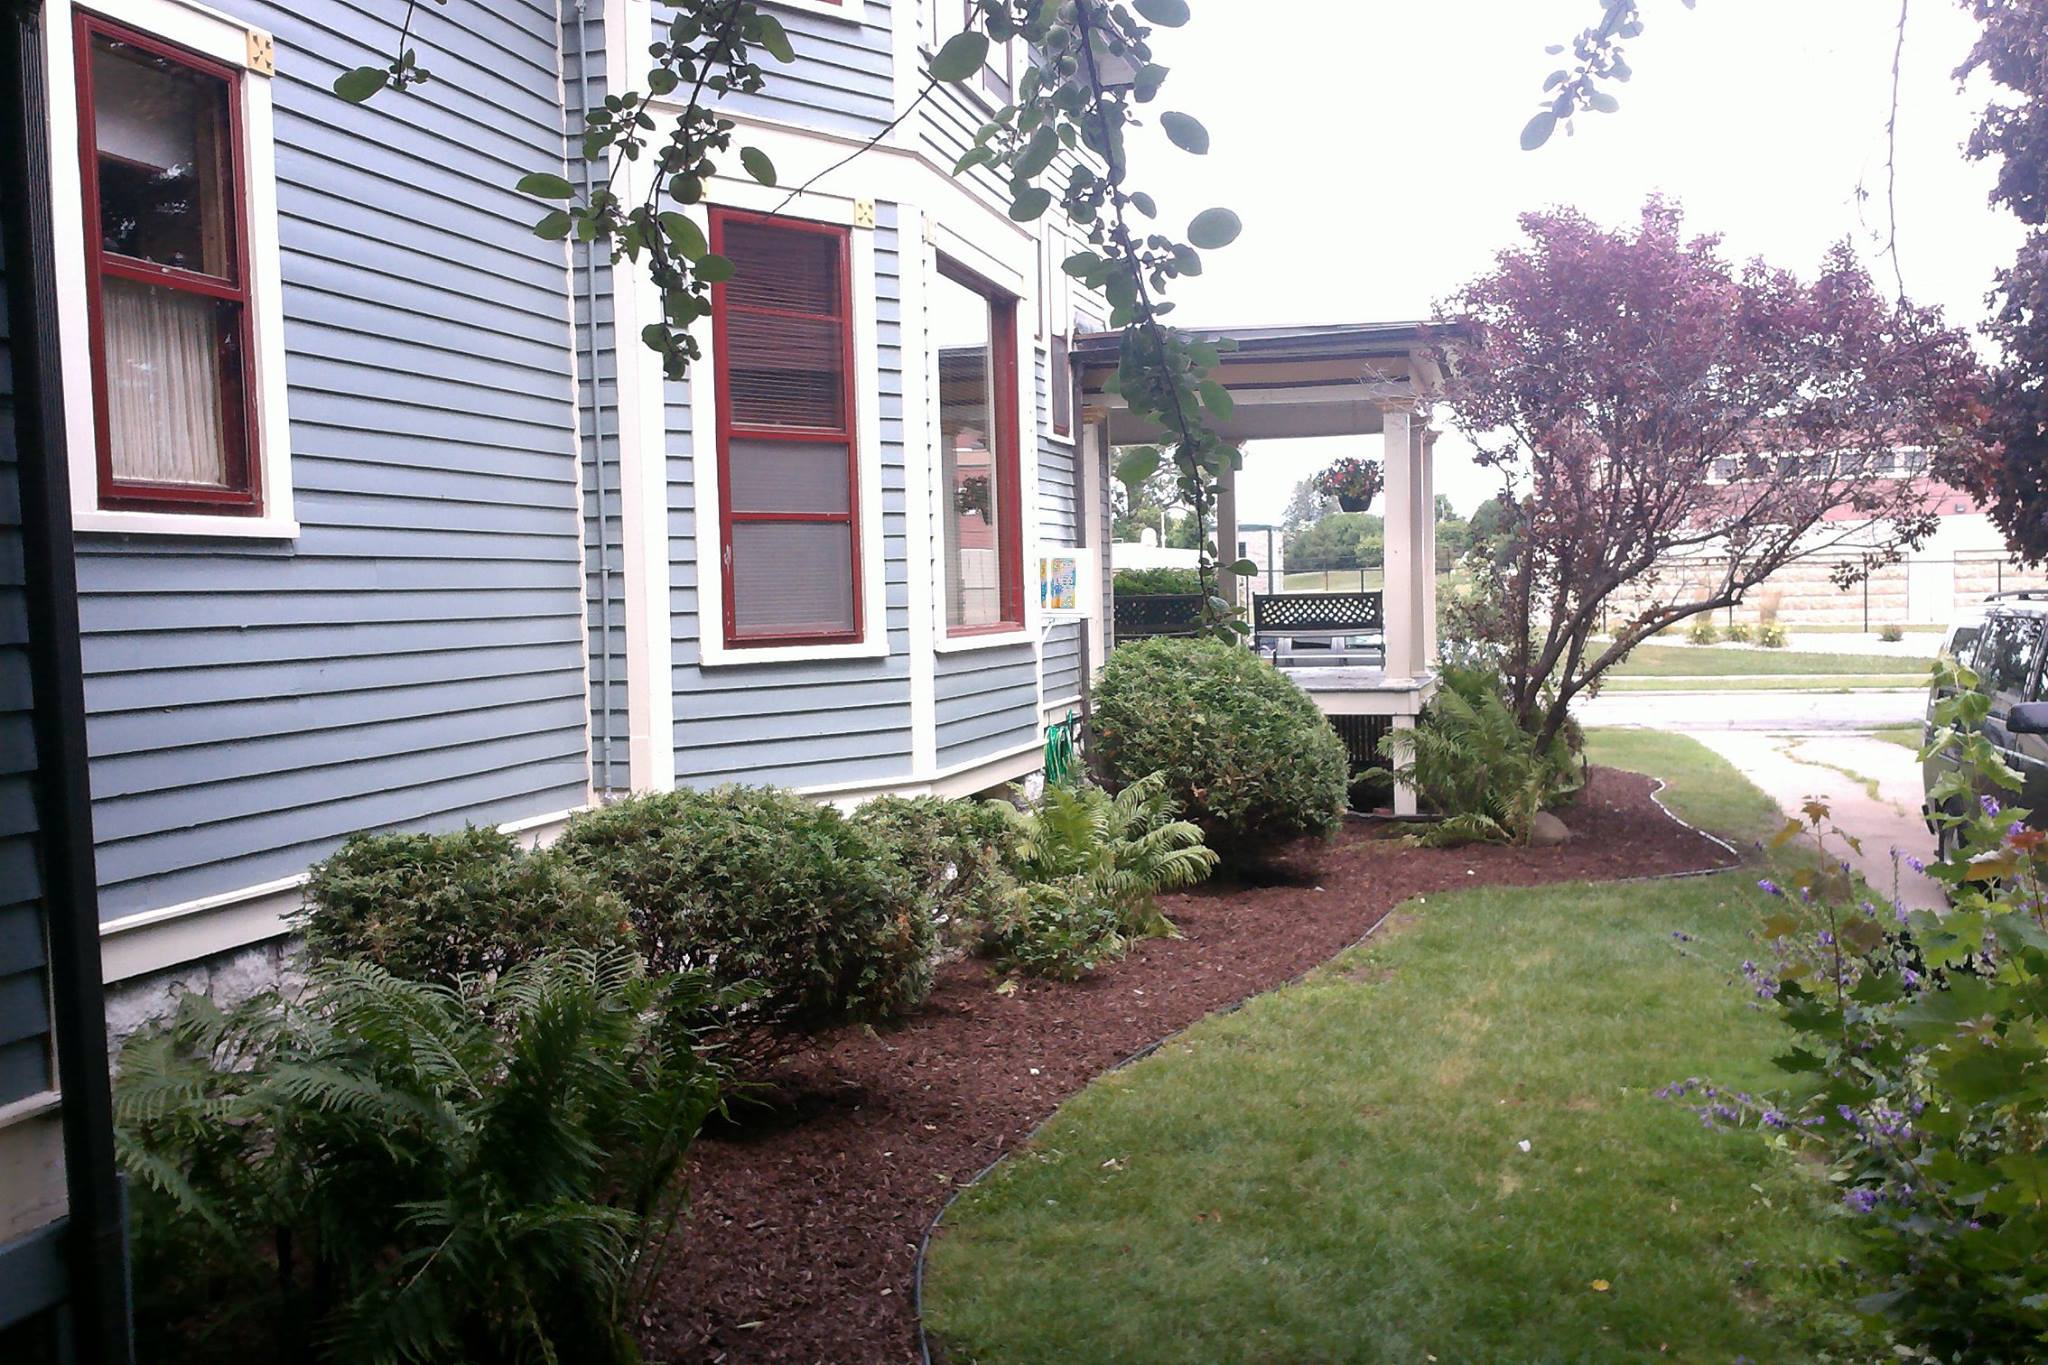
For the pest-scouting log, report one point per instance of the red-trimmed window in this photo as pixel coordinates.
(974, 326)
(788, 476)
(167, 267)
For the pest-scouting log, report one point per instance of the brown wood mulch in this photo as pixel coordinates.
(801, 1245)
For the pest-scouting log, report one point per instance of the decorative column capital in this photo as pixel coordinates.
(1429, 435)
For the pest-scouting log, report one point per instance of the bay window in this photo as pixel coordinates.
(788, 480)
(167, 274)
(974, 328)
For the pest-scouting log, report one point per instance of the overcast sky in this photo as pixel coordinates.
(1371, 149)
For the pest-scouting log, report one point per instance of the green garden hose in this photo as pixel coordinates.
(1059, 750)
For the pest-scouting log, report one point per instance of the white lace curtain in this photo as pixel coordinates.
(163, 384)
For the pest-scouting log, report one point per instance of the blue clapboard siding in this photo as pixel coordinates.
(597, 395)
(415, 657)
(1059, 519)
(24, 980)
(841, 80)
(807, 724)
(987, 703)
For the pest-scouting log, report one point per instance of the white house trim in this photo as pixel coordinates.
(913, 228)
(230, 41)
(847, 11)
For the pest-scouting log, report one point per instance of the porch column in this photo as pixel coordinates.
(1226, 535)
(1427, 578)
(1399, 596)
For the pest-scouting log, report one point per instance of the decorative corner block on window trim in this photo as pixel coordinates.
(262, 57)
(863, 213)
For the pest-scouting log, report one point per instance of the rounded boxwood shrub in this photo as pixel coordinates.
(435, 907)
(1245, 753)
(958, 853)
(762, 888)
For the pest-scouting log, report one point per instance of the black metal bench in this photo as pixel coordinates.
(1329, 618)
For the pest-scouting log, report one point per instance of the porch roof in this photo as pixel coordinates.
(1315, 380)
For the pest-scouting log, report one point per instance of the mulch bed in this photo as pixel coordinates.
(802, 1241)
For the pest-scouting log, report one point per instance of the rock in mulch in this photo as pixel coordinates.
(802, 1241)
(1547, 831)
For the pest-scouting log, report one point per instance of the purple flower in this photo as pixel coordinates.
(2012, 831)
(1860, 1201)
(1989, 803)
(1909, 978)
(1769, 887)
(1681, 935)
(1918, 865)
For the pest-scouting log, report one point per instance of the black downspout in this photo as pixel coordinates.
(96, 1245)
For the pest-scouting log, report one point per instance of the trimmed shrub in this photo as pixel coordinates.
(1771, 635)
(1243, 751)
(1058, 929)
(1891, 635)
(1739, 632)
(1145, 582)
(957, 853)
(1701, 631)
(755, 885)
(436, 907)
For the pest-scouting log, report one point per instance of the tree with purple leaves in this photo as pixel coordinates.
(1645, 397)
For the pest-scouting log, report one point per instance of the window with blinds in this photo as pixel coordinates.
(788, 486)
(168, 273)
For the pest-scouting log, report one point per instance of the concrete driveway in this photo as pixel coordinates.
(1803, 746)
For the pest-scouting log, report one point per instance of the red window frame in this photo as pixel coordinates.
(1002, 327)
(721, 310)
(243, 495)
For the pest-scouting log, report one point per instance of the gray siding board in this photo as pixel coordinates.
(414, 656)
(841, 80)
(986, 701)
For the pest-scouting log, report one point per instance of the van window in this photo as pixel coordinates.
(2005, 656)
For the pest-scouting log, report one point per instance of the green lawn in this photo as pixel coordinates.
(1700, 661)
(1336, 1172)
(1700, 786)
(1905, 736)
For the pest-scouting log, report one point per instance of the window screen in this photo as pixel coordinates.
(788, 488)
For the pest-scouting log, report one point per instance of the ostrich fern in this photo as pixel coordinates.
(1469, 762)
(395, 1171)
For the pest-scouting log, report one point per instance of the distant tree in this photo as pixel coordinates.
(1305, 506)
(1341, 540)
(1624, 373)
(1453, 535)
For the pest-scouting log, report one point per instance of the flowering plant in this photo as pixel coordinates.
(1920, 1058)
(1353, 483)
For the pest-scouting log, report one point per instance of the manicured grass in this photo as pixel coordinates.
(1776, 682)
(1336, 580)
(1905, 736)
(1336, 1172)
(1702, 787)
(1700, 661)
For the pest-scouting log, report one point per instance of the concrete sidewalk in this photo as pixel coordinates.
(1872, 789)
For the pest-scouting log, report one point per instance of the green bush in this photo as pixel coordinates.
(1739, 632)
(1891, 635)
(958, 854)
(1473, 765)
(1701, 631)
(1054, 929)
(1770, 635)
(433, 907)
(389, 1170)
(755, 885)
(1243, 752)
(1146, 582)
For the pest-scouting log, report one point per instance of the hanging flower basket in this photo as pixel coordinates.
(1353, 483)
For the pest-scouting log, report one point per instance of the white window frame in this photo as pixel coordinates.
(714, 650)
(852, 11)
(232, 42)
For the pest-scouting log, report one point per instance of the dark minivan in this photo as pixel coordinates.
(2003, 645)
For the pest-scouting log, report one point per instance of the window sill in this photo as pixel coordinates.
(718, 654)
(988, 639)
(197, 524)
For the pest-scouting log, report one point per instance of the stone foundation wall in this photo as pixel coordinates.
(229, 978)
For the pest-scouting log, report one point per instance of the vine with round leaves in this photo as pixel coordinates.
(1093, 69)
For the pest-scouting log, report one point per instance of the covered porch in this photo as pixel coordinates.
(1367, 658)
